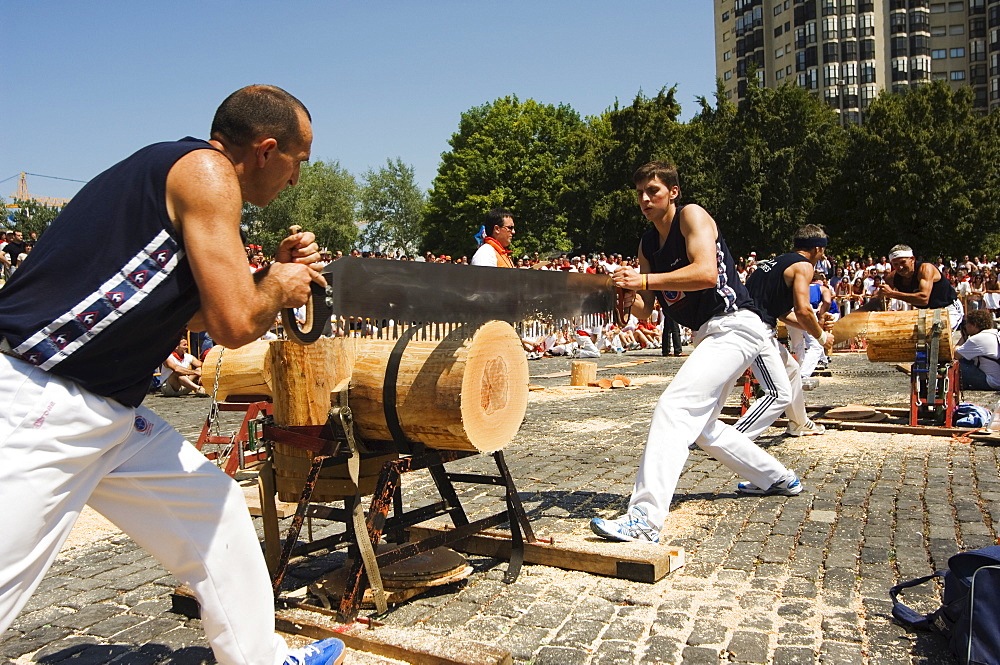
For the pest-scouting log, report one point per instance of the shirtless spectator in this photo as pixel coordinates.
(181, 373)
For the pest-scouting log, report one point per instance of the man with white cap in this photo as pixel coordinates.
(920, 284)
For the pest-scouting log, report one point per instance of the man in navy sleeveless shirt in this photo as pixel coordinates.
(685, 263)
(78, 351)
(780, 289)
(920, 284)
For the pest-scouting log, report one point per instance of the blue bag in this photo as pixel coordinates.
(969, 615)
(971, 415)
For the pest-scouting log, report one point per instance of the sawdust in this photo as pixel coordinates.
(841, 443)
(575, 392)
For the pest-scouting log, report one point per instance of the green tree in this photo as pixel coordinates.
(324, 201)
(776, 160)
(512, 154)
(923, 171)
(393, 206)
(605, 215)
(30, 216)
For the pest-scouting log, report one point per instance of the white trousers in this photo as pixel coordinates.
(777, 372)
(62, 447)
(689, 409)
(807, 349)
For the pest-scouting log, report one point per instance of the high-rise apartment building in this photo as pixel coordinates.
(846, 51)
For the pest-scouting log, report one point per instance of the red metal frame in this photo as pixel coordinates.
(252, 406)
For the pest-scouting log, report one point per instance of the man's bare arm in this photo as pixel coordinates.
(204, 202)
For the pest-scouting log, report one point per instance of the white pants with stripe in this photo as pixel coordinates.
(62, 447)
(688, 411)
(777, 372)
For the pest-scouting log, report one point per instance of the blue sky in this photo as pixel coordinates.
(84, 84)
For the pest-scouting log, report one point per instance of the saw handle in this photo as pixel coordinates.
(317, 312)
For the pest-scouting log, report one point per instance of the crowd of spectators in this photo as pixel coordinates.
(14, 247)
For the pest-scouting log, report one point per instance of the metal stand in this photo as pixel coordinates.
(330, 443)
(935, 389)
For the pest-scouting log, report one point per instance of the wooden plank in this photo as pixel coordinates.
(408, 645)
(251, 493)
(638, 562)
(889, 428)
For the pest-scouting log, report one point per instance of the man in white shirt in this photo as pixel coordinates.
(497, 235)
(181, 372)
(979, 353)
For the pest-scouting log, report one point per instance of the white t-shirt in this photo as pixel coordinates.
(485, 256)
(187, 362)
(983, 349)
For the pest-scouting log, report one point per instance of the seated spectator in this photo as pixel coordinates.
(979, 352)
(181, 373)
(585, 346)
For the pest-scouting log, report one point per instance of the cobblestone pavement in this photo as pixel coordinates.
(768, 580)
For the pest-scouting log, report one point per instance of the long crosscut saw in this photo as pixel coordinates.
(407, 292)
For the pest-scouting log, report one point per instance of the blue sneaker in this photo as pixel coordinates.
(630, 527)
(789, 486)
(325, 652)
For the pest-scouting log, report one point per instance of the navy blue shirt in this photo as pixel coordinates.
(694, 308)
(104, 295)
(768, 289)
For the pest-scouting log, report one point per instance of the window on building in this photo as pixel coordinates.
(777, 9)
(956, 6)
(897, 24)
(849, 73)
(727, 55)
(831, 75)
(779, 74)
(920, 21)
(830, 27)
(897, 46)
(866, 23)
(956, 29)
(920, 45)
(956, 52)
(920, 67)
(831, 52)
(976, 6)
(939, 76)
(977, 75)
(725, 16)
(727, 75)
(867, 49)
(937, 8)
(811, 32)
(829, 7)
(900, 70)
(868, 72)
(939, 31)
(939, 53)
(849, 50)
(778, 31)
(848, 6)
(778, 52)
(977, 26)
(957, 75)
(848, 26)
(995, 64)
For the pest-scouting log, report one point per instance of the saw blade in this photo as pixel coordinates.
(453, 293)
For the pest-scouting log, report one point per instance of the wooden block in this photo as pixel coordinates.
(638, 562)
(617, 383)
(624, 379)
(582, 373)
(407, 645)
(605, 384)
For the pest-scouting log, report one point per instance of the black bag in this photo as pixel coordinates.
(970, 612)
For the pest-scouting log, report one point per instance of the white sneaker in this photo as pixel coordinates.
(630, 527)
(809, 429)
(789, 486)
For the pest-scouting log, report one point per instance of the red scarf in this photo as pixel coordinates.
(503, 255)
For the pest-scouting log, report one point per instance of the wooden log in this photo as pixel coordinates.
(894, 336)
(302, 378)
(454, 394)
(244, 371)
(582, 373)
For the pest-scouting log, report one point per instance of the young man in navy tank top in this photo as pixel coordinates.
(685, 263)
(780, 289)
(78, 352)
